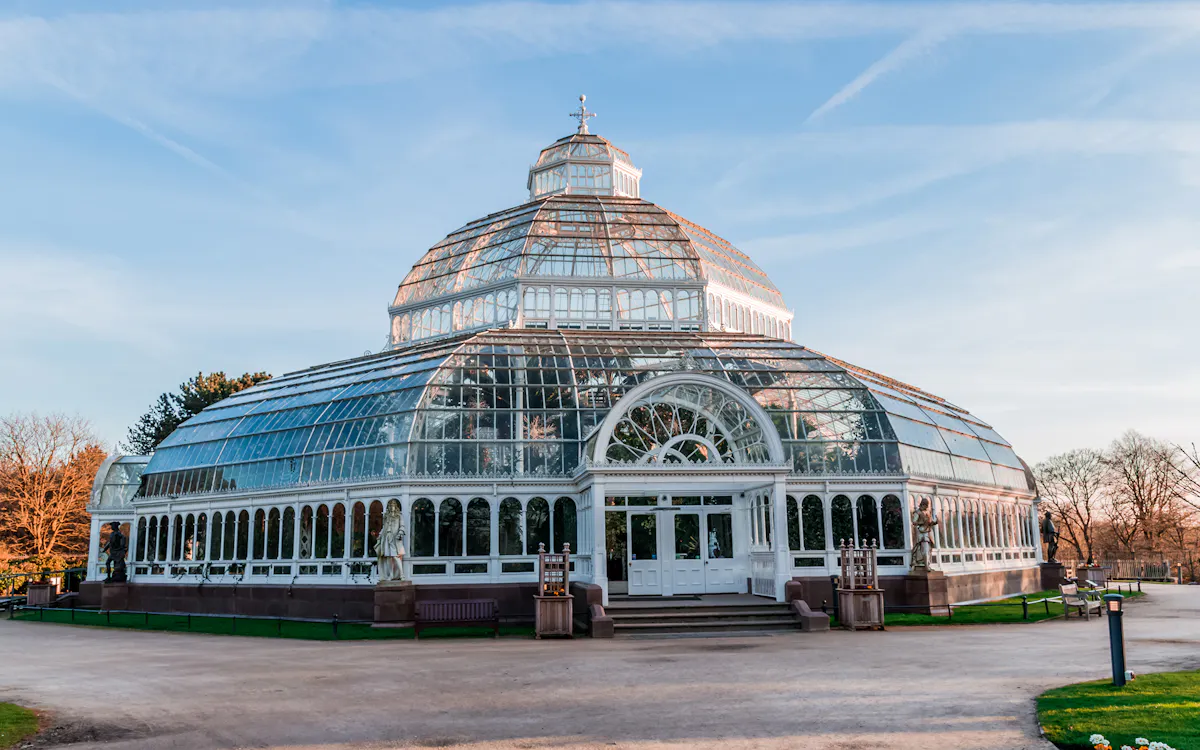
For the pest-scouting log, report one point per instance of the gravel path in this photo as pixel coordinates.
(930, 687)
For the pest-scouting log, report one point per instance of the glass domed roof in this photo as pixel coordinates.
(524, 403)
(582, 236)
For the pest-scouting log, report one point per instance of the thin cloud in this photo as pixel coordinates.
(917, 45)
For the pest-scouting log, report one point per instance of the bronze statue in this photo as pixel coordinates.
(117, 547)
(1050, 537)
(923, 523)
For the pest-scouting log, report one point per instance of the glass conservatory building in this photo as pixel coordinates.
(588, 369)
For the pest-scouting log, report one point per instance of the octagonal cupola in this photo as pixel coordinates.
(583, 164)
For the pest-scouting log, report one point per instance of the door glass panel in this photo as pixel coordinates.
(693, 500)
(643, 537)
(720, 535)
(687, 536)
(614, 541)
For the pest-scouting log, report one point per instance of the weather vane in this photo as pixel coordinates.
(582, 115)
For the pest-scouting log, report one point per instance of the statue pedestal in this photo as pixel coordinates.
(1093, 573)
(395, 602)
(114, 596)
(927, 592)
(1053, 575)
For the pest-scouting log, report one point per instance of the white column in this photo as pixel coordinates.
(494, 538)
(599, 553)
(783, 555)
(830, 542)
(94, 566)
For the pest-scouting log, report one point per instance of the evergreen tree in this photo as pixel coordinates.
(172, 409)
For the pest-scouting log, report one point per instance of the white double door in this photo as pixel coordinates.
(682, 550)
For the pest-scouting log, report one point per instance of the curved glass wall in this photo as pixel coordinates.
(507, 402)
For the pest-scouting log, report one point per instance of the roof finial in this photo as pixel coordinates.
(582, 115)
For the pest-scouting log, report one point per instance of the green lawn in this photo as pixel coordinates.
(1159, 707)
(265, 627)
(1004, 610)
(16, 724)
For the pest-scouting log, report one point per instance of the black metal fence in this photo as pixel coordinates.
(14, 585)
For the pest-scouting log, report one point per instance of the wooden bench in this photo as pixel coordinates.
(1072, 599)
(458, 612)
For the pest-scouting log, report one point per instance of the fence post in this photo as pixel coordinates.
(1024, 607)
(335, 635)
(833, 588)
(279, 627)
(108, 617)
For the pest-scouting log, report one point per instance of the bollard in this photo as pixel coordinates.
(1024, 607)
(1116, 637)
(335, 627)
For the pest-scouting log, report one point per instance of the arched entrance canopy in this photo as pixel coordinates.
(687, 418)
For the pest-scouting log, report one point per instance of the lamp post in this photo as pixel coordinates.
(1116, 636)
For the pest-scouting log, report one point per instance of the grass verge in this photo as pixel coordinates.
(16, 724)
(1003, 611)
(260, 627)
(1162, 707)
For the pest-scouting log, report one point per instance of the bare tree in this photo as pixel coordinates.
(1188, 464)
(47, 465)
(1072, 487)
(1145, 485)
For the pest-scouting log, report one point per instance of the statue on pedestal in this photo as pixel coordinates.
(923, 523)
(1050, 536)
(391, 543)
(117, 547)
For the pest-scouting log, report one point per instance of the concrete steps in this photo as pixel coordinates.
(638, 618)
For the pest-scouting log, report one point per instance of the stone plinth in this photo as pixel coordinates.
(114, 596)
(1053, 575)
(1093, 573)
(41, 594)
(395, 602)
(927, 592)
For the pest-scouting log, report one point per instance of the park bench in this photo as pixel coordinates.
(1073, 599)
(458, 612)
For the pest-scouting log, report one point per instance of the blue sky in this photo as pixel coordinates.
(998, 202)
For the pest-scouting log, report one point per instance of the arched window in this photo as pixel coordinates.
(530, 303)
(337, 531)
(479, 528)
(273, 534)
(604, 304)
(216, 537)
(201, 537)
(576, 303)
(358, 530)
(260, 533)
(510, 527)
(374, 524)
(537, 525)
(812, 517)
(868, 521)
(177, 542)
(287, 534)
(306, 532)
(321, 533)
(243, 535)
(653, 307)
(140, 554)
(489, 309)
(565, 525)
(589, 304)
(793, 519)
(152, 538)
(423, 528)
(843, 520)
(450, 528)
(543, 302)
(623, 304)
(561, 309)
(893, 523)
(637, 304)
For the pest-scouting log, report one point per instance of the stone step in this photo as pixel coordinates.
(685, 614)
